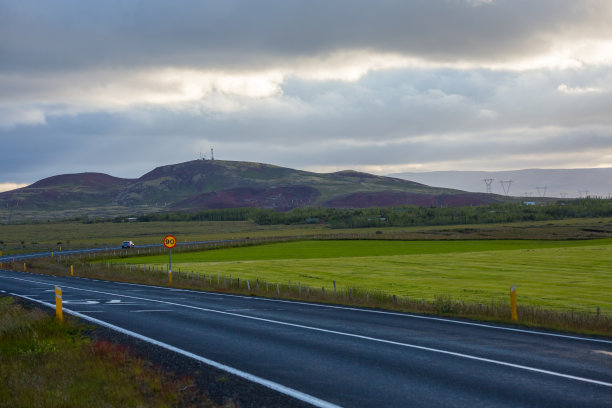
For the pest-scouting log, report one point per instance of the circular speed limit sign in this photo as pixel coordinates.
(169, 241)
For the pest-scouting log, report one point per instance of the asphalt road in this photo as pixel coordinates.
(45, 254)
(338, 356)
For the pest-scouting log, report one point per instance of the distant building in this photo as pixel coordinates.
(529, 202)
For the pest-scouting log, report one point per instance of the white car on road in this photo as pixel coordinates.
(127, 244)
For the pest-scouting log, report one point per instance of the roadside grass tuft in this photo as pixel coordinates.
(44, 363)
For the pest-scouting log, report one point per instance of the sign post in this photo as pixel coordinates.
(169, 242)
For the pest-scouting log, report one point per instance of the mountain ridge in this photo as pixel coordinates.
(207, 184)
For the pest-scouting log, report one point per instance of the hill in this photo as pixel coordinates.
(206, 184)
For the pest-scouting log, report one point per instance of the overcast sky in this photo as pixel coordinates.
(121, 87)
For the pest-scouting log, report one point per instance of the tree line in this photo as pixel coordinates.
(402, 216)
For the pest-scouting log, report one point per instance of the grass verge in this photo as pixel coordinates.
(47, 364)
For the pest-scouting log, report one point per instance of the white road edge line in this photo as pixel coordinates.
(413, 346)
(250, 377)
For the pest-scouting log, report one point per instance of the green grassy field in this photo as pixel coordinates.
(562, 275)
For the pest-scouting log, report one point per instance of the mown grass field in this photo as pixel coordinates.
(561, 275)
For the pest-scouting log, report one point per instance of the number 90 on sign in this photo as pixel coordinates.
(169, 241)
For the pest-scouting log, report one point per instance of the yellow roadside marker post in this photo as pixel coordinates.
(71, 270)
(25, 269)
(58, 304)
(513, 303)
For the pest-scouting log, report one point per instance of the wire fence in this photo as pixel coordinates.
(92, 266)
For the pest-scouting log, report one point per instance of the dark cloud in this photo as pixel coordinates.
(41, 35)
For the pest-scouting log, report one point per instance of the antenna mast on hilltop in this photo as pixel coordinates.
(488, 182)
(506, 186)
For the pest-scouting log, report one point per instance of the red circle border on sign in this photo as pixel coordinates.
(173, 238)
